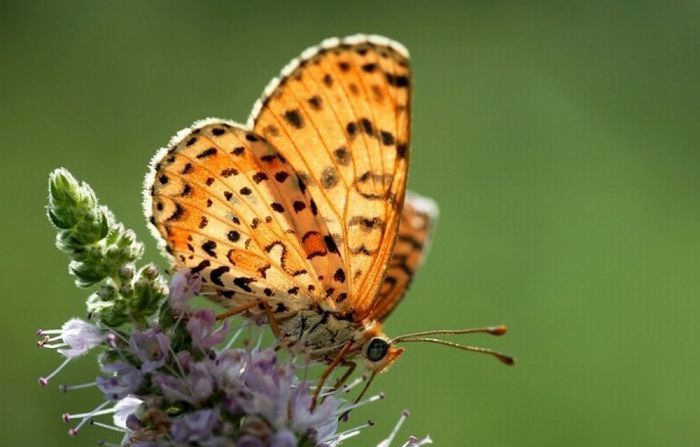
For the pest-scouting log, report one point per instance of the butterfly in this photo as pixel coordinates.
(301, 215)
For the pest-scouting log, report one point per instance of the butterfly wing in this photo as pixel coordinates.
(412, 244)
(341, 116)
(228, 205)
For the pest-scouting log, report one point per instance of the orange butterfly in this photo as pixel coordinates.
(301, 215)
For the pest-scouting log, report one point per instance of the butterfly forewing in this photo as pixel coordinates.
(231, 207)
(341, 117)
(412, 245)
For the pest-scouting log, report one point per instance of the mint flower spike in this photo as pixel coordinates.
(69, 201)
(87, 231)
(102, 252)
(171, 375)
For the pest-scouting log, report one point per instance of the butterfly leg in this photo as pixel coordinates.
(344, 378)
(271, 320)
(237, 310)
(336, 361)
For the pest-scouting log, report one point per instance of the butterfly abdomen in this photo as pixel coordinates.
(318, 333)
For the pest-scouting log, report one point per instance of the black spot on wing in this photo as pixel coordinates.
(339, 275)
(210, 248)
(329, 177)
(330, 243)
(243, 282)
(369, 67)
(177, 214)
(201, 266)
(207, 153)
(342, 155)
(293, 117)
(315, 102)
(399, 81)
(387, 138)
(215, 275)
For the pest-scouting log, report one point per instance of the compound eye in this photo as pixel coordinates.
(377, 349)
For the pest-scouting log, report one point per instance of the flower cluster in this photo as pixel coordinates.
(170, 374)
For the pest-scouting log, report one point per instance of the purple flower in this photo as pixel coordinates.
(228, 368)
(200, 381)
(166, 377)
(201, 327)
(284, 438)
(194, 427)
(172, 388)
(151, 347)
(196, 387)
(183, 286)
(78, 335)
(323, 420)
(122, 379)
(270, 385)
(249, 441)
(183, 359)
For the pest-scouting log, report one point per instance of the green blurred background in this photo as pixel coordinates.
(561, 142)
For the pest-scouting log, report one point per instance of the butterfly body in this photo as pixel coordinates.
(320, 334)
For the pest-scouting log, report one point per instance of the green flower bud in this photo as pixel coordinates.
(150, 271)
(68, 199)
(106, 292)
(148, 293)
(111, 313)
(127, 272)
(87, 274)
(126, 290)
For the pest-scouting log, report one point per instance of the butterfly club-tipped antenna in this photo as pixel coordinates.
(424, 337)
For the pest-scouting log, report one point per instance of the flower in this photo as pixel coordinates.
(284, 438)
(165, 381)
(183, 286)
(172, 387)
(125, 408)
(194, 427)
(201, 327)
(151, 347)
(78, 335)
(121, 379)
(200, 381)
(323, 420)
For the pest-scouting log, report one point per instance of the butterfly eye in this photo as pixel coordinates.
(377, 349)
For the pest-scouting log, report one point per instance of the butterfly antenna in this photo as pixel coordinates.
(506, 359)
(491, 330)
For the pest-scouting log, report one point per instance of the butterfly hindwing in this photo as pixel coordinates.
(341, 116)
(412, 244)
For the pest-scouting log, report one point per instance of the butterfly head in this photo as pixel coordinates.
(379, 353)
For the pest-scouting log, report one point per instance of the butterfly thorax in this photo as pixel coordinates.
(321, 334)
